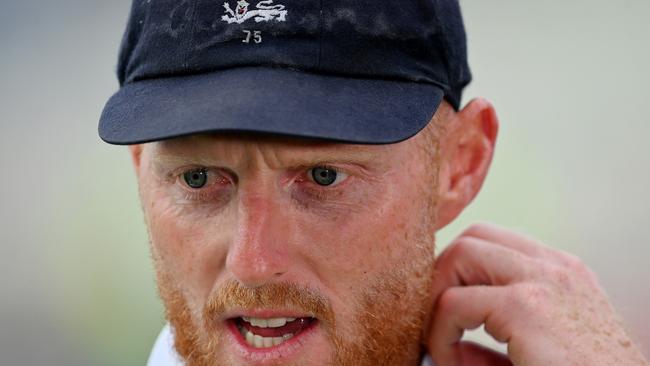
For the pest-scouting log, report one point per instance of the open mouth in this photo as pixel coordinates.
(271, 332)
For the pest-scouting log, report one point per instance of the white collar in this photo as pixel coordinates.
(163, 353)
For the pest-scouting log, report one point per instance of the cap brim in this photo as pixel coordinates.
(271, 101)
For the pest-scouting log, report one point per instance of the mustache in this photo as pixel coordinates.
(283, 295)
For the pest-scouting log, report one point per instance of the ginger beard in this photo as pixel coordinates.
(391, 308)
(390, 317)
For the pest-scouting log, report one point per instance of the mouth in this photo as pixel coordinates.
(260, 333)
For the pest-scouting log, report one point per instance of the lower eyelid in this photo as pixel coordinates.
(324, 192)
(210, 196)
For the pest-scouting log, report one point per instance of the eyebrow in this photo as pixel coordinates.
(296, 154)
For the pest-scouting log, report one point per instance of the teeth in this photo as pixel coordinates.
(258, 341)
(276, 322)
(258, 322)
(268, 342)
(268, 323)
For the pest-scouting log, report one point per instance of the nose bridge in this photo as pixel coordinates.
(258, 251)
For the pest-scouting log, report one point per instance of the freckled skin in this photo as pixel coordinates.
(366, 247)
(283, 228)
(371, 234)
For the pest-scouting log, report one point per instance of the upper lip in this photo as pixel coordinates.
(265, 313)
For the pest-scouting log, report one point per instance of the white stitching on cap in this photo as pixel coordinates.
(265, 12)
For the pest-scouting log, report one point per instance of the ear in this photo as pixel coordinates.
(466, 151)
(136, 157)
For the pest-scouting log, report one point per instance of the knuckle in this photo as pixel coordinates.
(563, 279)
(573, 261)
(556, 274)
(448, 301)
(590, 277)
(531, 297)
(579, 268)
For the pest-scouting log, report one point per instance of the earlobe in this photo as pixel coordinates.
(467, 149)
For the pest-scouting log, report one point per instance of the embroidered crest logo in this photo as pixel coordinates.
(265, 11)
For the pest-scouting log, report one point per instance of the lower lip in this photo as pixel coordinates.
(285, 350)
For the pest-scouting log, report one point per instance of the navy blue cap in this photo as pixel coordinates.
(356, 71)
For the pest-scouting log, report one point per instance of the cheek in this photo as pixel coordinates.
(353, 248)
(372, 235)
(190, 247)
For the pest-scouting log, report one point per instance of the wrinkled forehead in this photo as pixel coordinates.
(238, 147)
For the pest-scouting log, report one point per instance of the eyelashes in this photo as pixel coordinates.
(202, 184)
(326, 176)
(199, 184)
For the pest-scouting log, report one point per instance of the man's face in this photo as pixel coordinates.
(274, 251)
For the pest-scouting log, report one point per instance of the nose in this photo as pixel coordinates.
(258, 253)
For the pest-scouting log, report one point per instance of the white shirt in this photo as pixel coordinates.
(163, 353)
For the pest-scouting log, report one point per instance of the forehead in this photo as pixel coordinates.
(240, 147)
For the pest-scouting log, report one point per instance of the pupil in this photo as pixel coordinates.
(324, 177)
(196, 178)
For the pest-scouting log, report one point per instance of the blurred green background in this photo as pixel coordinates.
(570, 80)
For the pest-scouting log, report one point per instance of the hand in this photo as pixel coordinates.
(545, 304)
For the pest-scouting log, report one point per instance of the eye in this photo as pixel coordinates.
(326, 177)
(196, 178)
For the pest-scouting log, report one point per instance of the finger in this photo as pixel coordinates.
(517, 241)
(507, 237)
(472, 261)
(473, 354)
(462, 308)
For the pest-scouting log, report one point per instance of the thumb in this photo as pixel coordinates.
(472, 354)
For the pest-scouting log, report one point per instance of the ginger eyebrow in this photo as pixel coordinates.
(292, 154)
